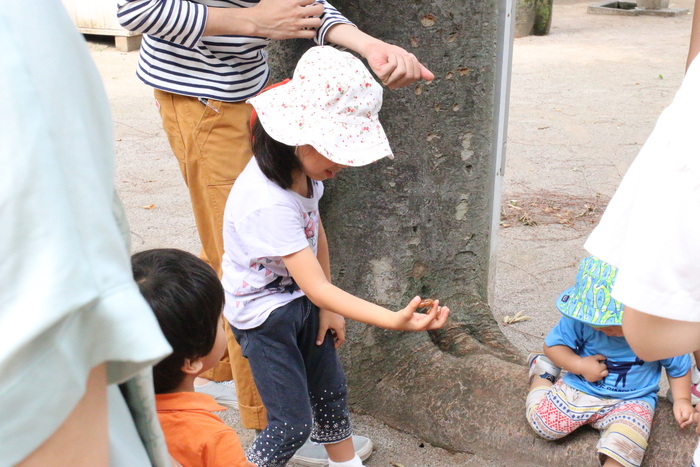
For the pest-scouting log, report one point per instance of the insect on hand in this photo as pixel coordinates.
(425, 304)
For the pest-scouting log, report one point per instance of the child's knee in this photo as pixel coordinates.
(532, 406)
(536, 395)
(536, 416)
(543, 430)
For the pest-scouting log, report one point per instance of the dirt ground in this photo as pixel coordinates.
(583, 101)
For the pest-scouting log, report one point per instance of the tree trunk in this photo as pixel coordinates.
(420, 225)
(543, 17)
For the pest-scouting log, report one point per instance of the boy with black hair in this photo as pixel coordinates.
(187, 298)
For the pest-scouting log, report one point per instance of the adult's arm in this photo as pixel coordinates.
(655, 338)
(82, 439)
(394, 66)
(183, 22)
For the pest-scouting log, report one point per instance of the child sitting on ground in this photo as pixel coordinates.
(605, 385)
(188, 299)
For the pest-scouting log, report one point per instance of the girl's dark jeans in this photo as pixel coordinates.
(302, 385)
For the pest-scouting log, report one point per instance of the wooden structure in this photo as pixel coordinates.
(100, 17)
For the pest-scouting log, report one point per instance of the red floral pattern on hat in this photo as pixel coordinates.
(331, 103)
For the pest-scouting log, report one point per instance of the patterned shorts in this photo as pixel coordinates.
(624, 425)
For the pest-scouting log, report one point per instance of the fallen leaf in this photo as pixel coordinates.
(519, 316)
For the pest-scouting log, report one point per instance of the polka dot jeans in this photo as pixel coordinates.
(302, 385)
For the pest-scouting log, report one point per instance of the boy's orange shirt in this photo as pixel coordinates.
(196, 437)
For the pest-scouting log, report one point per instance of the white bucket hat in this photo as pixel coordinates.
(331, 103)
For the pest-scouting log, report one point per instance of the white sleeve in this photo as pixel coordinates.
(276, 230)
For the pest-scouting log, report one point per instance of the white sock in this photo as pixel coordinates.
(354, 462)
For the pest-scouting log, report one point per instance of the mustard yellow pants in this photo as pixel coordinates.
(212, 145)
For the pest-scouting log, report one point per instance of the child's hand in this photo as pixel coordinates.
(409, 320)
(683, 411)
(592, 368)
(333, 322)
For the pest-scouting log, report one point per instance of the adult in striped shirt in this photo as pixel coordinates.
(205, 58)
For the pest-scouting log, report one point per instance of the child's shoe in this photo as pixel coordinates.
(694, 387)
(543, 367)
(223, 392)
(312, 454)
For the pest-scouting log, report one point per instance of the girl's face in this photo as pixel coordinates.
(315, 165)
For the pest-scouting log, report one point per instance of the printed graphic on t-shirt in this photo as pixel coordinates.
(616, 381)
(621, 369)
(269, 275)
(311, 227)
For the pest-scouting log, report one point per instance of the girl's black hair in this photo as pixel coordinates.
(276, 160)
(187, 298)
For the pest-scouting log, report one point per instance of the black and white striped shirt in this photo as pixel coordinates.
(175, 57)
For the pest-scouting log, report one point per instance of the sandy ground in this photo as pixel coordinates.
(583, 101)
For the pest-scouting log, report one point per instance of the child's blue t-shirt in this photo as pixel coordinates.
(629, 377)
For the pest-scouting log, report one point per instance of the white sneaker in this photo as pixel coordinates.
(543, 367)
(313, 454)
(224, 393)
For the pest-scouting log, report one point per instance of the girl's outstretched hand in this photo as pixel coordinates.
(410, 320)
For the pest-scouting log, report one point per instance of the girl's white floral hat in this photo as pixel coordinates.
(331, 103)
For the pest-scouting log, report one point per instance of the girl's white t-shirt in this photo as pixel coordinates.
(262, 223)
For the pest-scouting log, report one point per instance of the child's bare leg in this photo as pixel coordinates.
(538, 382)
(543, 373)
(342, 451)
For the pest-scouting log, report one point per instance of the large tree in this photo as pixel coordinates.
(421, 225)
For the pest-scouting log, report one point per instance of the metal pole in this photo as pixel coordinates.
(504, 60)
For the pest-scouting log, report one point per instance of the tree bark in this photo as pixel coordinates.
(420, 225)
